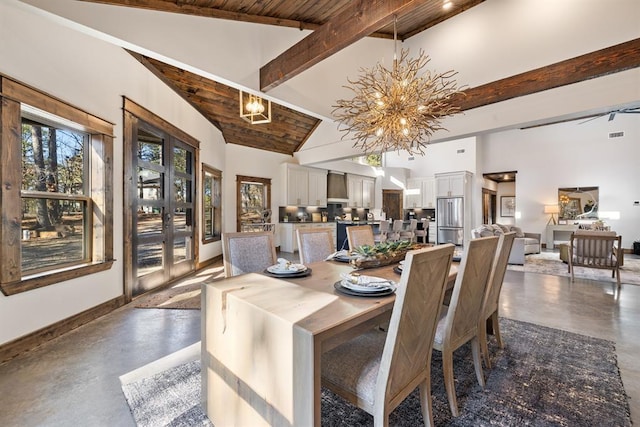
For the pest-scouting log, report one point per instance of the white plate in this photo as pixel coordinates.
(294, 268)
(366, 283)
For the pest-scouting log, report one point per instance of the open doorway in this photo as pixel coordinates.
(498, 187)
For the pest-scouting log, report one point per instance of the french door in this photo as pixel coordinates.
(160, 234)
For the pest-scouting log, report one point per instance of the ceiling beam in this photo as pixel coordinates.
(355, 21)
(613, 59)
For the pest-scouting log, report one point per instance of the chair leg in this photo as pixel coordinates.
(449, 384)
(477, 360)
(617, 271)
(425, 401)
(496, 329)
(482, 337)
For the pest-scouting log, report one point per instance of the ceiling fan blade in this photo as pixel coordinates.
(612, 115)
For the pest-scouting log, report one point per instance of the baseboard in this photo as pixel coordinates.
(30, 341)
(209, 262)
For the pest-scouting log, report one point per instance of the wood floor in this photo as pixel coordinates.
(73, 380)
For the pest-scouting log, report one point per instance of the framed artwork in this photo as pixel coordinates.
(508, 206)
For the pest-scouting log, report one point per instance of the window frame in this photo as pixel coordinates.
(13, 95)
(216, 175)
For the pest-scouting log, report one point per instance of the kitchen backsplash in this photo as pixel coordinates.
(302, 214)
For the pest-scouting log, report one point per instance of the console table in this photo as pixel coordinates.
(559, 232)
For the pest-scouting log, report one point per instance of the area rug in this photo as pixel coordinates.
(550, 263)
(543, 377)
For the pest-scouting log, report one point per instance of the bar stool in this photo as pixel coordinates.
(409, 232)
(394, 236)
(383, 232)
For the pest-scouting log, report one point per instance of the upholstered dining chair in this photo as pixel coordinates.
(314, 244)
(458, 322)
(247, 252)
(376, 371)
(489, 317)
(360, 235)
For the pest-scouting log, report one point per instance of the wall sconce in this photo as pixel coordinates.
(254, 109)
(551, 209)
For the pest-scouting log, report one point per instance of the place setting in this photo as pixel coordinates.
(287, 269)
(398, 268)
(356, 284)
(341, 256)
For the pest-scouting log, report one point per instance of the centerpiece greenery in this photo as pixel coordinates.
(385, 253)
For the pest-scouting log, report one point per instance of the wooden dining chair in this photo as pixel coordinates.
(489, 318)
(247, 252)
(360, 235)
(314, 244)
(459, 320)
(376, 371)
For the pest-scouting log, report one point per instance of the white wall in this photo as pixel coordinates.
(571, 155)
(94, 76)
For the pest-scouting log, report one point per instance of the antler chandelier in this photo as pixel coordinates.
(397, 109)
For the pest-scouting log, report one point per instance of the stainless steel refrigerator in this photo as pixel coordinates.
(450, 216)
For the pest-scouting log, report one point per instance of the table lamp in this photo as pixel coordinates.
(551, 209)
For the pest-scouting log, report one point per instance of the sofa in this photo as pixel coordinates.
(523, 244)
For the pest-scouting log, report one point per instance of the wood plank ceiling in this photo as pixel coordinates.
(289, 129)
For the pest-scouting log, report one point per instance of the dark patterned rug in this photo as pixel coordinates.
(543, 377)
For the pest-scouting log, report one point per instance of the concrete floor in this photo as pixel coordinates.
(73, 380)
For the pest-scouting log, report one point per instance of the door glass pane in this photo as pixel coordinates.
(60, 243)
(182, 189)
(149, 184)
(149, 258)
(149, 221)
(149, 147)
(182, 249)
(181, 160)
(182, 219)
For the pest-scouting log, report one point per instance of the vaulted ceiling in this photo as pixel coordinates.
(335, 25)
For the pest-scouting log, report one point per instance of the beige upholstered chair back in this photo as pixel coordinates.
(360, 235)
(247, 252)
(314, 244)
(408, 348)
(498, 271)
(469, 290)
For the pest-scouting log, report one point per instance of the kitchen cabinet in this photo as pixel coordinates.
(361, 191)
(452, 184)
(317, 187)
(289, 239)
(304, 186)
(422, 193)
(368, 192)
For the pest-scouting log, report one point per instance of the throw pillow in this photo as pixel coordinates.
(497, 230)
(504, 228)
(518, 230)
(486, 231)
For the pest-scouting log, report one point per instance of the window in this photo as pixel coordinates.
(55, 166)
(211, 204)
(253, 200)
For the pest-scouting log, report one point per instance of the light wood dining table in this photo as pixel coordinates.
(263, 338)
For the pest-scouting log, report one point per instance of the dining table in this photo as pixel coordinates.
(263, 338)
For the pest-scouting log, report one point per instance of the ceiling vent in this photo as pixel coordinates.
(616, 135)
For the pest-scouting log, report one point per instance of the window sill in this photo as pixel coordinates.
(38, 281)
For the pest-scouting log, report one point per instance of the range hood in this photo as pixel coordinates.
(337, 187)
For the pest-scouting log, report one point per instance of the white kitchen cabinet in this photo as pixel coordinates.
(317, 187)
(452, 184)
(354, 188)
(304, 186)
(421, 193)
(361, 191)
(368, 192)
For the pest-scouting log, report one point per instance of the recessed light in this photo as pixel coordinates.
(447, 5)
